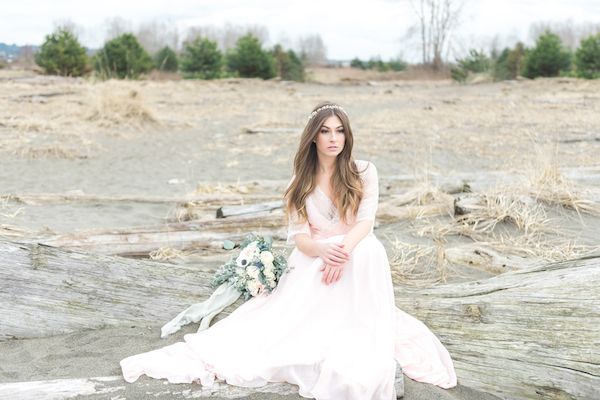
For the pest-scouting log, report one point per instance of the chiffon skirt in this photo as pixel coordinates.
(336, 341)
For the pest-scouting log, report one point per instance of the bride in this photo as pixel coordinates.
(331, 325)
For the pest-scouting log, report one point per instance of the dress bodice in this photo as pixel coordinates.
(324, 218)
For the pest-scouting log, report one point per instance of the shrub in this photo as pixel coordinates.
(249, 60)
(509, 63)
(397, 65)
(357, 63)
(123, 57)
(378, 64)
(288, 64)
(476, 61)
(587, 57)
(166, 60)
(548, 58)
(201, 58)
(458, 74)
(61, 54)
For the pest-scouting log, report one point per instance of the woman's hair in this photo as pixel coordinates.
(345, 181)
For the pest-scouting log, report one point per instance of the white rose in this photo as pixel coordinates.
(253, 271)
(254, 286)
(266, 257)
(269, 273)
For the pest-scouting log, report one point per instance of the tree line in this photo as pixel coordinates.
(123, 57)
(547, 58)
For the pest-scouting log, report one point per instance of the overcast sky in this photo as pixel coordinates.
(348, 28)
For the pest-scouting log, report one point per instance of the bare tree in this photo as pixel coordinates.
(437, 19)
(312, 49)
(228, 35)
(68, 25)
(117, 26)
(155, 35)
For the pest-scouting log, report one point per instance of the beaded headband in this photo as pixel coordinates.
(326, 107)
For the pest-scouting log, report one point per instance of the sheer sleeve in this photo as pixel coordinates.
(294, 226)
(368, 205)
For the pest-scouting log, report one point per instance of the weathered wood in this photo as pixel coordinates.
(524, 334)
(482, 256)
(542, 320)
(115, 387)
(140, 241)
(233, 211)
(474, 202)
(47, 291)
(456, 183)
(204, 199)
(270, 130)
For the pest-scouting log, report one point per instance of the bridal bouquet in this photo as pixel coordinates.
(255, 270)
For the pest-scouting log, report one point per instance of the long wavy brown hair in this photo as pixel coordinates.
(345, 181)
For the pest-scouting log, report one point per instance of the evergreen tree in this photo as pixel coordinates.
(123, 57)
(288, 65)
(587, 57)
(202, 59)
(61, 54)
(166, 60)
(249, 60)
(548, 58)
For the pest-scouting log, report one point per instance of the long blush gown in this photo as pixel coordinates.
(336, 341)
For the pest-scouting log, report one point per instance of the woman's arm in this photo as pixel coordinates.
(365, 217)
(332, 253)
(307, 245)
(356, 234)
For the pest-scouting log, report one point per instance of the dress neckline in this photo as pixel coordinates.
(324, 195)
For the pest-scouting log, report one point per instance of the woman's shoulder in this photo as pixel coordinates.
(365, 166)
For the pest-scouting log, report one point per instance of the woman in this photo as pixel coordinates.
(331, 325)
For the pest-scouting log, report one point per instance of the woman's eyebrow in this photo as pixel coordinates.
(325, 126)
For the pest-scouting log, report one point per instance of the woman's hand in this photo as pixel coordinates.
(334, 258)
(333, 254)
(331, 274)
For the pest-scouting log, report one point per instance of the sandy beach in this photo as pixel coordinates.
(168, 139)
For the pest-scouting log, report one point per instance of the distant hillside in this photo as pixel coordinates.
(12, 51)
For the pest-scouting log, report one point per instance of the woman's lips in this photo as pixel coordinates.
(332, 147)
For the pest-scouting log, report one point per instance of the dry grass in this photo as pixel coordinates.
(52, 151)
(117, 107)
(166, 253)
(418, 265)
(7, 210)
(549, 186)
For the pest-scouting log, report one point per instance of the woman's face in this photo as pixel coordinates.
(330, 138)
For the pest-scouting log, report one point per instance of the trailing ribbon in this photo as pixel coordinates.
(204, 312)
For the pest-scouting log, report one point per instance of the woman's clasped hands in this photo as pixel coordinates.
(334, 258)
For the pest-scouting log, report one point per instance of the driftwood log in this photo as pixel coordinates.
(140, 241)
(525, 334)
(114, 387)
(47, 291)
(528, 334)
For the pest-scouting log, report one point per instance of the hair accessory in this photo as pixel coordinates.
(327, 106)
